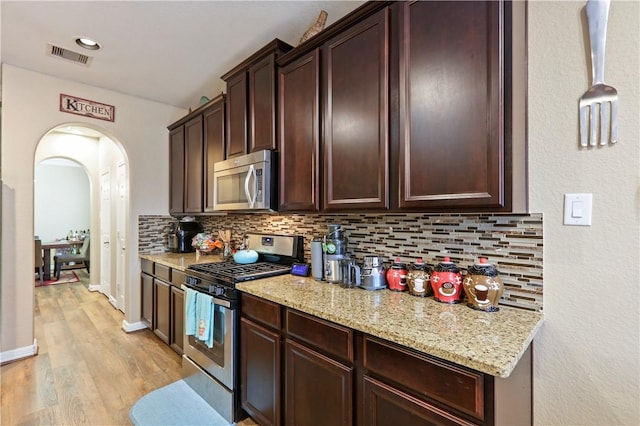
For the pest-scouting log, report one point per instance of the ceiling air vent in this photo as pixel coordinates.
(69, 55)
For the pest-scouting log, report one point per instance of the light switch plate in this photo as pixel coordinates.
(577, 209)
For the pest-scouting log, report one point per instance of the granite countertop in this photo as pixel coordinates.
(490, 342)
(180, 261)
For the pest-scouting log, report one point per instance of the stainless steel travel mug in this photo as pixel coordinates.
(317, 263)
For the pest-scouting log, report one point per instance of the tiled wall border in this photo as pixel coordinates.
(514, 243)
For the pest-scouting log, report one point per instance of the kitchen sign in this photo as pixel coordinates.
(74, 105)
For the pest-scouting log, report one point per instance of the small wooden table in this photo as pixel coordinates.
(46, 248)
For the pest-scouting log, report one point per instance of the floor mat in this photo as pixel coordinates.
(174, 404)
(65, 277)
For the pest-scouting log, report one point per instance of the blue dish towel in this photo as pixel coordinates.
(204, 315)
(190, 312)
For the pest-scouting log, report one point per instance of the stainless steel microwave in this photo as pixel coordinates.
(247, 183)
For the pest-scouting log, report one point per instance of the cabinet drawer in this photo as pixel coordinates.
(163, 272)
(177, 277)
(383, 402)
(457, 387)
(262, 311)
(323, 335)
(146, 266)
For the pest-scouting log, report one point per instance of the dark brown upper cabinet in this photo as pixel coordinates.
(262, 104)
(251, 101)
(195, 143)
(193, 165)
(176, 169)
(214, 125)
(299, 136)
(451, 97)
(423, 108)
(355, 86)
(236, 121)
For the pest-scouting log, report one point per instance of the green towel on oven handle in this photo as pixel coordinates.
(205, 318)
(190, 312)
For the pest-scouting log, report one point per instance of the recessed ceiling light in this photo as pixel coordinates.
(87, 43)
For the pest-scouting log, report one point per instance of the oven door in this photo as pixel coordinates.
(218, 361)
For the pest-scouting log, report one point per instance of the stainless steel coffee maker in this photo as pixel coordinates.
(334, 247)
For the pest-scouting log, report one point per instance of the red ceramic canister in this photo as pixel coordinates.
(397, 276)
(446, 282)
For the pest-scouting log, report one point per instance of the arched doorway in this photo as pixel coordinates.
(100, 155)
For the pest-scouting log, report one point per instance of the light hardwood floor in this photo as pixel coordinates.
(87, 371)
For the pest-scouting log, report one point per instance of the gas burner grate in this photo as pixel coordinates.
(233, 272)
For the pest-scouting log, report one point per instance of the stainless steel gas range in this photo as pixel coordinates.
(213, 371)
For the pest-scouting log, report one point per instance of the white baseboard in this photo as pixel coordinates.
(112, 300)
(94, 287)
(131, 327)
(19, 353)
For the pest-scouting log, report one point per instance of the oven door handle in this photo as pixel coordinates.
(216, 301)
(221, 302)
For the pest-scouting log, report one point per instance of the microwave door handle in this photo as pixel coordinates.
(247, 191)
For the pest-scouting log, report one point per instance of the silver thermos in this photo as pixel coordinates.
(317, 261)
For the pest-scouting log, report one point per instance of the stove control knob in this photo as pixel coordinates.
(192, 280)
(219, 291)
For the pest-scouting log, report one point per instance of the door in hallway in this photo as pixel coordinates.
(105, 234)
(121, 216)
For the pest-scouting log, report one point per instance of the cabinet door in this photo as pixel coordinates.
(237, 115)
(355, 139)
(387, 406)
(451, 105)
(176, 170)
(459, 388)
(161, 303)
(146, 282)
(299, 135)
(214, 118)
(262, 105)
(193, 164)
(318, 390)
(260, 373)
(177, 319)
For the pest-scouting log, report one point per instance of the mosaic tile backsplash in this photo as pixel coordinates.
(513, 243)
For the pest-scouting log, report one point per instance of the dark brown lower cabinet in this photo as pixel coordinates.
(146, 282)
(260, 378)
(455, 387)
(329, 374)
(401, 382)
(161, 298)
(177, 319)
(385, 405)
(162, 302)
(318, 390)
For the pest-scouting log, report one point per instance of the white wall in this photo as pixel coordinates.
(587, 354)
(29, 110)
(62, 201)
